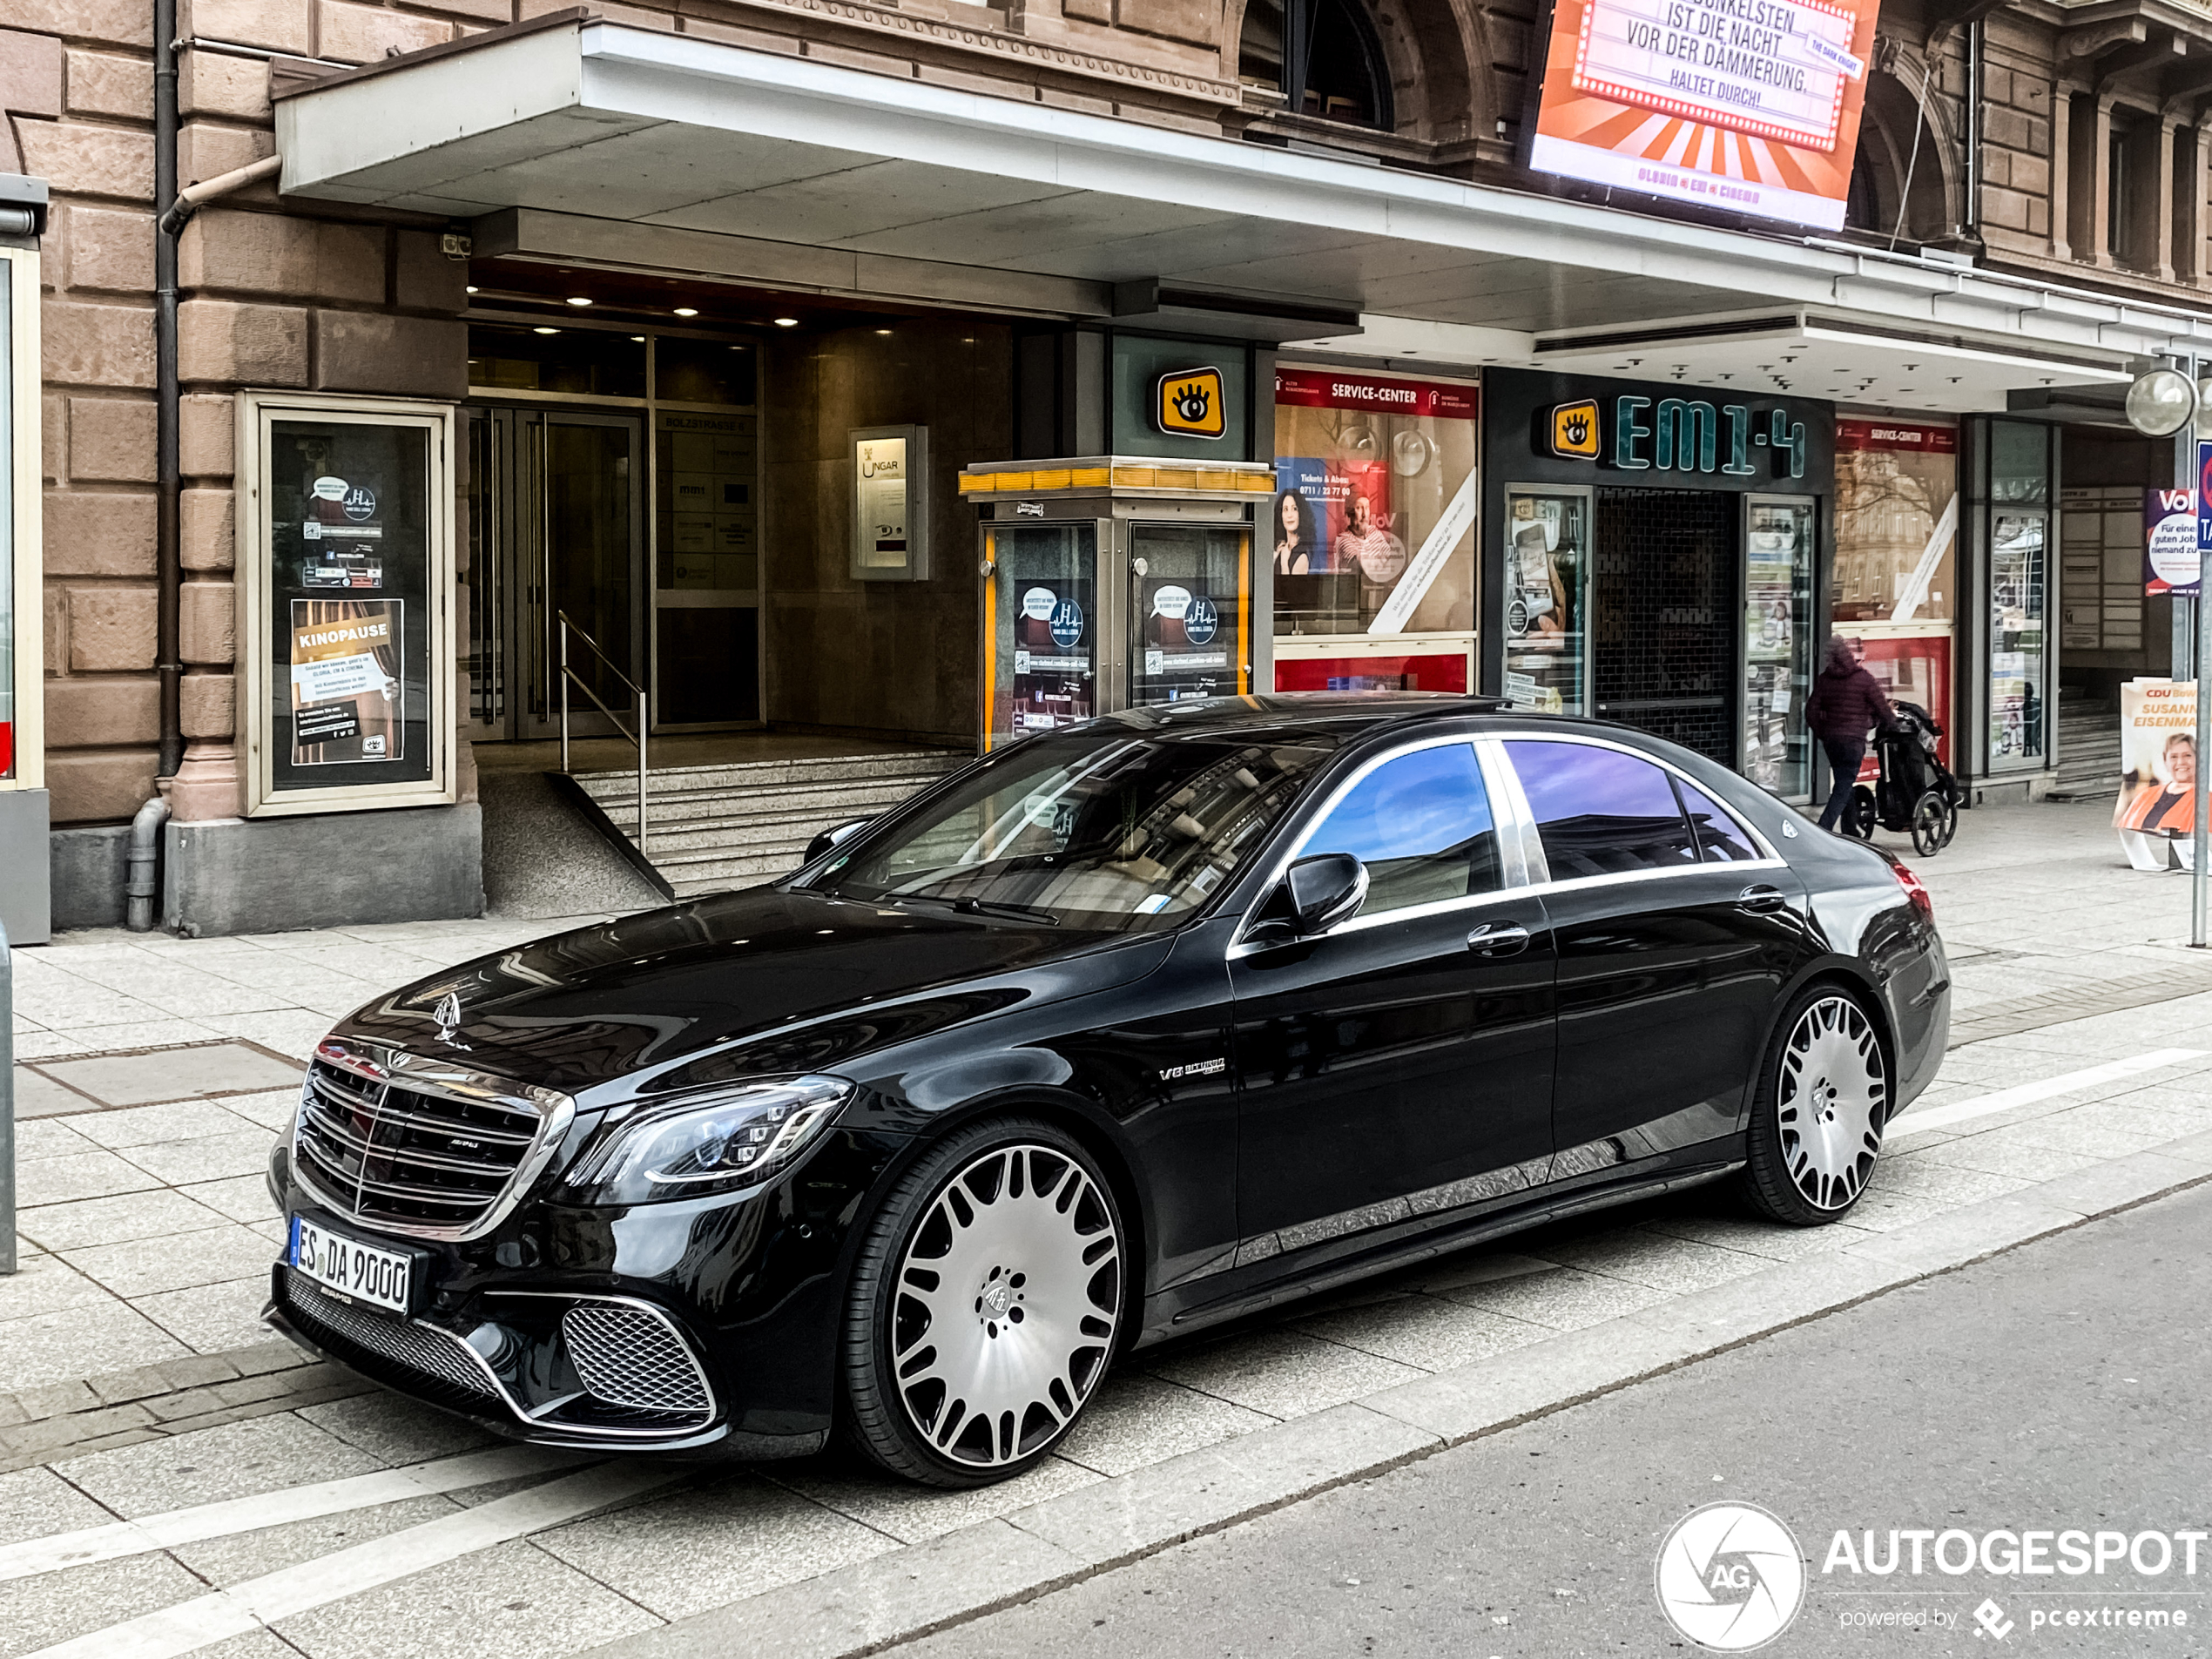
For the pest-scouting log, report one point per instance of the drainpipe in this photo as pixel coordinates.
(144, 859)
(168, 651)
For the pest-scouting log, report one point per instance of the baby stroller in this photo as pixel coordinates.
(1916, 791)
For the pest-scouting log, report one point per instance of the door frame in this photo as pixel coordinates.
(511, 587)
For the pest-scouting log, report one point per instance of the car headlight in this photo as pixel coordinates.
(732, 1138)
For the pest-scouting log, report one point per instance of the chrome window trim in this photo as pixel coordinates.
(432, 1075)
(1511, 813)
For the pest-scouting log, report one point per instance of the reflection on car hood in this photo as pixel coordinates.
(738, 984)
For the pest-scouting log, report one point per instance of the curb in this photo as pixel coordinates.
(984, 1568)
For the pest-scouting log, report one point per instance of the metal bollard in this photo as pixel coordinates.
(7, 1107)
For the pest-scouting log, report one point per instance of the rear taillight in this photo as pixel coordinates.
(1915, 889)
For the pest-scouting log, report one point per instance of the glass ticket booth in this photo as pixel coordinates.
(1112, 582)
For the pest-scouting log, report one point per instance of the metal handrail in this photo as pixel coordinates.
(644, 720)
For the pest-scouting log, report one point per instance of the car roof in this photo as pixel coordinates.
(1272, 710)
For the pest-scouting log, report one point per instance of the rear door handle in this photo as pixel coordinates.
(1499, 939)
(1761, 898)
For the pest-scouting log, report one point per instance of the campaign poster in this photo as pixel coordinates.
(347, 700)
(2156, 813)
(2171, 554)
(1746, 106)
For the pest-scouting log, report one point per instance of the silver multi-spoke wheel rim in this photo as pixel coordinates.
(1832, 1097)
(1006, 1306)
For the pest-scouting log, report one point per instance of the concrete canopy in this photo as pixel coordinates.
(594, 142)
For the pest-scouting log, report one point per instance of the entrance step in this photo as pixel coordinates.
(2089, 764)
(712, 827)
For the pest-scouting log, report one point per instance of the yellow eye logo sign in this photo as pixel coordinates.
(1188, 404)
(1575, 430)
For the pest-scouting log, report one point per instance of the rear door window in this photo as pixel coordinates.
(1420, 822)
(1601, 812)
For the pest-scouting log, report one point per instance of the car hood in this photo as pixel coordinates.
(738, 984)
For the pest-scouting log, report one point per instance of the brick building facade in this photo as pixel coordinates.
(2065, 145)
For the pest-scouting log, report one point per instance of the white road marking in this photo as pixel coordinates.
(1961, 1111)
(207, 1620)
(120, 1538)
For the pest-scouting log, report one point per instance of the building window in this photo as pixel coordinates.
(1330, 46)
(2120, 181)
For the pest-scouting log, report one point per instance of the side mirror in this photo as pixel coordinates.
(830, 837)
(1324, 890)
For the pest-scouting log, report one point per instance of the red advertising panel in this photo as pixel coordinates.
(1316, 389)
(1751, 106)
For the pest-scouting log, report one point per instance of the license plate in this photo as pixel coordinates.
(358, 1271)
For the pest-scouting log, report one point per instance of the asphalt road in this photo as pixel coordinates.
(2061, 1386)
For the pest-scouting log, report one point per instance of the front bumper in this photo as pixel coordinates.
(707, 1328)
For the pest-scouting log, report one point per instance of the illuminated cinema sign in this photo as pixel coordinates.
(1748, 106)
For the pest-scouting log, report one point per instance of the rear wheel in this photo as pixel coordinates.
(1817, 1115)
(984, 1306)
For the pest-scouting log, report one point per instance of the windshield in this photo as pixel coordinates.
(1099, 827)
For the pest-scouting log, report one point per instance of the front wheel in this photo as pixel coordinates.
(1861, 816)
(1817, 1113)
(984, 1306)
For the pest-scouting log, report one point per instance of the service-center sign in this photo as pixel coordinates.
(1751, 106)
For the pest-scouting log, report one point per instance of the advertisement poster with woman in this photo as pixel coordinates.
(1373, 475)
(2155, 817)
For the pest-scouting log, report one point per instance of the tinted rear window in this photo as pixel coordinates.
(1601, 812)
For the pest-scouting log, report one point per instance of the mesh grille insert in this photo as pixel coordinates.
(628, 1357)
(398, 1342)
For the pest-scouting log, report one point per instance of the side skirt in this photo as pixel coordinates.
(1422, 1246)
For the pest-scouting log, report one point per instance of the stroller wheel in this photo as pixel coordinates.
(1950, 822)
(1860, 817)
(1933, 820)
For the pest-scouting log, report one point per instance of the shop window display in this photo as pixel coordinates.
(1896, 537)
(1547, 536)
(2019, 474)
(1371, 529)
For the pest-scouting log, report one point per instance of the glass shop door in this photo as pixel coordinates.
(1775, 751)
(1190, 605)
(1041, 628)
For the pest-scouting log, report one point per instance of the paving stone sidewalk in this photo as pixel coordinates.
(2035, 902)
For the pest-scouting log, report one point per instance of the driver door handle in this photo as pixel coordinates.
(1498, 939)
(1761, 898)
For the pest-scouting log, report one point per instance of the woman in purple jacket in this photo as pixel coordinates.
(1846, 702)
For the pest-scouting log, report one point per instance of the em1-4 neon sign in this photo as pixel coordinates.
(1677, 434)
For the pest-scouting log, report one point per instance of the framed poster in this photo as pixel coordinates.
(890, 503)
(346, 567)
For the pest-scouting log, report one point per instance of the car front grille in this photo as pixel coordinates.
(628, 1356)
(365, 1338)
(435, 1154)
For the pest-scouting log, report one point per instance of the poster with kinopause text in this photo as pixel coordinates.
(1744, 106)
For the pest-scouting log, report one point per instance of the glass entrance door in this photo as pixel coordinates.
(555, 528)
(1041, 628)
(1190, 607)
(1779, 543)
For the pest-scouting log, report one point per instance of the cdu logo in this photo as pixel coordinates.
(1188, 404)
(1575, 430)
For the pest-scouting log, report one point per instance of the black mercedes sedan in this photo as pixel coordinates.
(1131, 1027)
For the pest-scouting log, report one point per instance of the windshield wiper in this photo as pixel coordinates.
(984, 907)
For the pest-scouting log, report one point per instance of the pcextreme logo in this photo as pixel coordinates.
(1730, 1577)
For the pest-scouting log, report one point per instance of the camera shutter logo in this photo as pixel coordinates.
(1730, 1577)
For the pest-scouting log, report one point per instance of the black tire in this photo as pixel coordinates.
(1059, 1240)
(1813, 1141)
(1861, 816)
